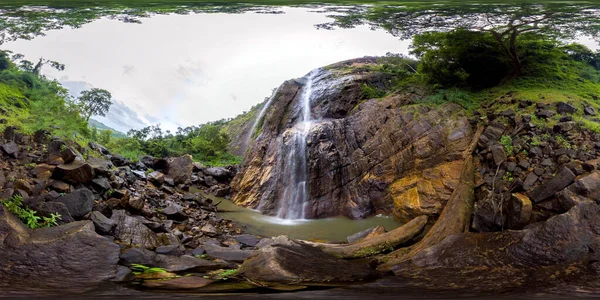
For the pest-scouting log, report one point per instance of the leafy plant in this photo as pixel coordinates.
(507, 143)
(141, 269)
(29, 216)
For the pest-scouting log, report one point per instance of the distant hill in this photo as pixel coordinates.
(101, 126)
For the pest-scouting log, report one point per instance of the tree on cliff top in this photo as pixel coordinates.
(505, 23)
(94, 102)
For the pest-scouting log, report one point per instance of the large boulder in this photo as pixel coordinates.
(75, 172)
(287, 262)
(79, 202)
(561, 180)
(169, 263)
(132, 231)
(180, 169)
(66, 258)
(467, 259)
(356, 149)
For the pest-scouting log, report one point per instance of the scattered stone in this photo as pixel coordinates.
(563, 178)
(132, 231)
(218, 173)
(589, 111)
(175, 250)
(123, 274)
(587, 186)
(519, 211)
(79, 202)
(75, 172)
(156, 178)
(567, 199)
(47, 208)
(103, 224)
(247, 239)
(180, 169)
(562, 107)
(229, 254)
(530, 181)
(101, 184)
(545, 114)
(174, 212)
(209, 230)
(564, 127)
(11, 149)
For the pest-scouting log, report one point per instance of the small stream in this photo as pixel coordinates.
(330, 229)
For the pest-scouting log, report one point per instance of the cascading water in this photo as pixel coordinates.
(260, 115)
(294, 174)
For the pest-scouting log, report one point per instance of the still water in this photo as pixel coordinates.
(331, 229)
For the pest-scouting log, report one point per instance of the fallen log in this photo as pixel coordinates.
(455, 218)
(375, 245)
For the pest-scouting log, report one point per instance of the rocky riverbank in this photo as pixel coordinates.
(502, 196)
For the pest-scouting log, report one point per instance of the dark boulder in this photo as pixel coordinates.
(97, 147)
(101, 184)
(132, 231)
(562, 107)
(157, 178)
(219, 173)
(180, 169)
(47, 208)
(247, 239)
(67, 258)
(11, 149)
(587, 186)
(229, 254)
(79, 202)
(75, 172)
(100, 166)
(103, 224)
(563, 178)
(174, 212)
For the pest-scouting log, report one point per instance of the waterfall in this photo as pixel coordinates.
(260, 115)
(294, 175)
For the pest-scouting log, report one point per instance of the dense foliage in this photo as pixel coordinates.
(33, 102)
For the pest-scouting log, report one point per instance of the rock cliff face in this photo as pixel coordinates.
(363, 156)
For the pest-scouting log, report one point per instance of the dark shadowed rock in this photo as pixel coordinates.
(157, 178)
(69, 155)
(132, 231)
(588, 186)
(180, 169)
(11, 149)
(563, 178)
(67, 258)
(79, 202)
(590, 111)
(498, 154)
(100, 166)
(562, 107)
(103, 224)
(566, 199)
(218, 173)
(97, 147)
(530, 180)
(290, 262)
(47, 208)
(247, 239)
(545, 114)
(174, 212)
(75, 172)
(562, 239)
(229, 254)
(101, 184)
(173, 250)
(9, 133)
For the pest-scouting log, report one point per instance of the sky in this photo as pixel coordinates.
(182, 70)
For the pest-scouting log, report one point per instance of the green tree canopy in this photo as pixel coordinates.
(94, 102)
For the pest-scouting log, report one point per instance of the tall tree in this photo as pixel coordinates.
(95, 102)
(506, 23)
